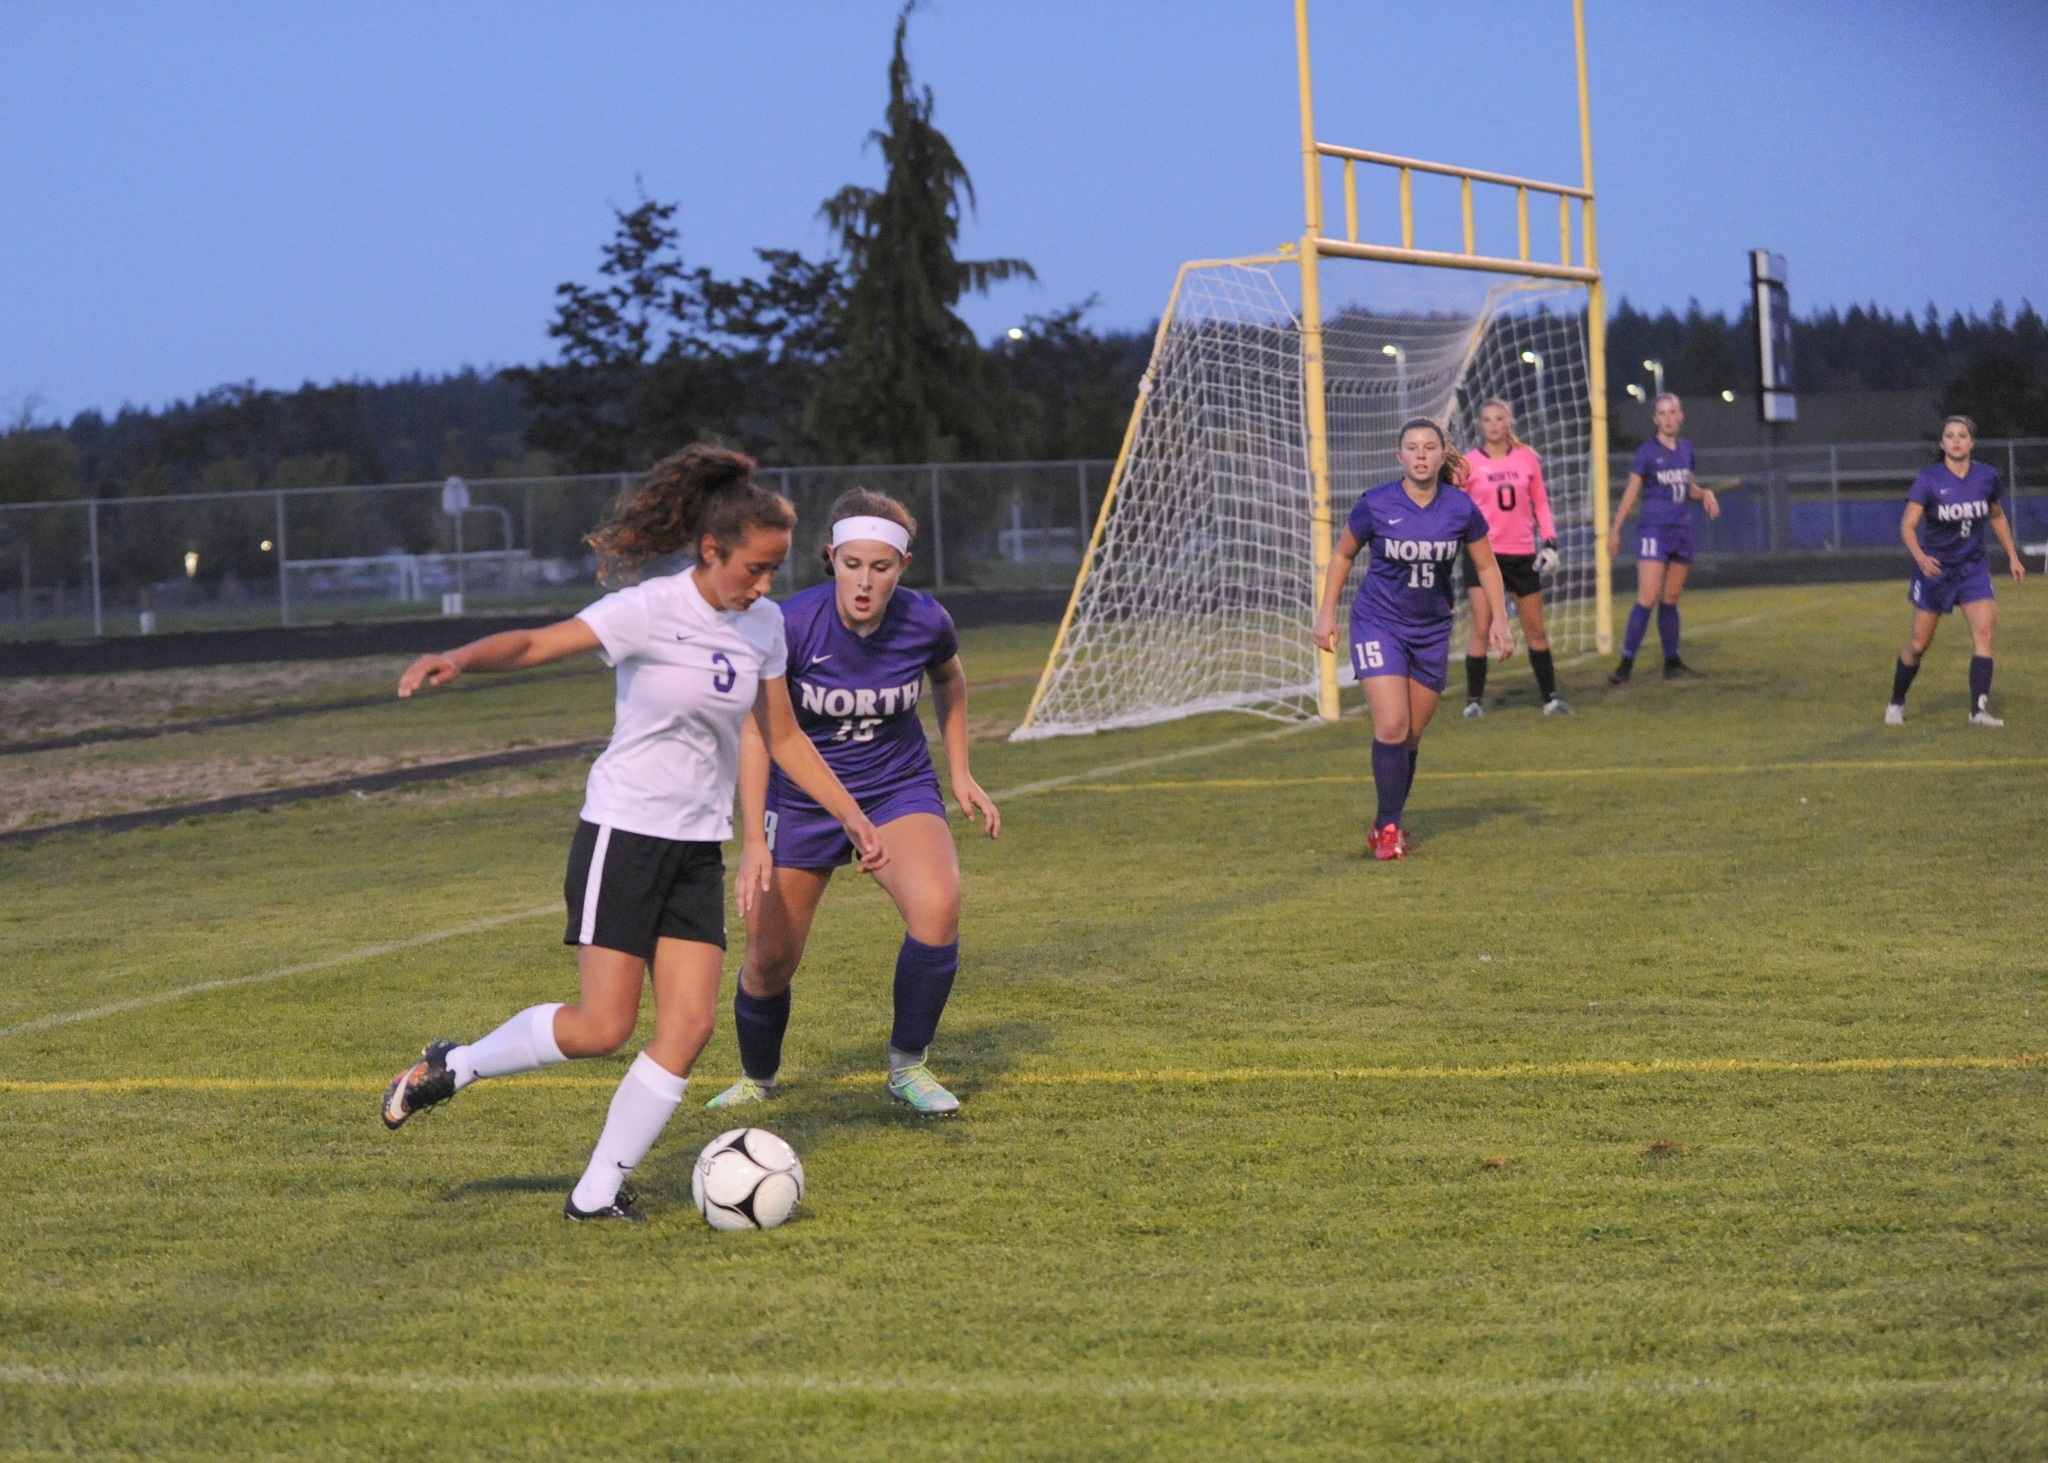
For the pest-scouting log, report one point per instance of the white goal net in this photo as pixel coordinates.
(1200, 589)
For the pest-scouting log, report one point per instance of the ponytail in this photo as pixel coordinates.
(1454, 470)
(698, 491)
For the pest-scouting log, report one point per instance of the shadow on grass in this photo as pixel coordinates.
(513, 1184)
(1437, 822)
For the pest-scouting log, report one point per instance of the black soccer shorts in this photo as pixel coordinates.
(626, 890)
(1518, 574)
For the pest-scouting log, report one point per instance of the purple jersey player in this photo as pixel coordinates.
(1661, 476)
(860, 649)
(1946, 512)
(1401, 617)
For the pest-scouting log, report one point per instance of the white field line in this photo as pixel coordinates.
(325, 962)
(1025, 789)
(1177, 1389)
(371, 952)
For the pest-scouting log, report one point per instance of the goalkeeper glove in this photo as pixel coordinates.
(1546, 561)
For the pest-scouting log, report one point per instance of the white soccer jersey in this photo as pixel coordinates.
(687, 677)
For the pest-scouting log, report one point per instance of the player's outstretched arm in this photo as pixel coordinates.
(1629, 495)
(1704, 495)
(1324, 635)
(949, 695)
(1909, 530)
(775, 719)
(757, 861)
(2003, 529)
(1498, 636)
(511, 650)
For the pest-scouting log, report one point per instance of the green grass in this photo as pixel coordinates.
(1370, 1175)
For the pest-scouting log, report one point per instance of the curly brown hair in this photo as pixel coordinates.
(697, 492)
(866, 503)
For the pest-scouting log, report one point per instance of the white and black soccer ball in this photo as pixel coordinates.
(747, 1179)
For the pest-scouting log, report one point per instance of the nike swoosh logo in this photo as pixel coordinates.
(1392, 521)
(819, 659)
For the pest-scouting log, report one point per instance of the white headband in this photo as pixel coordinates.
(875, 530)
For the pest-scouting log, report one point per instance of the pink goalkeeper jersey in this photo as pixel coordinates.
(1509, 491)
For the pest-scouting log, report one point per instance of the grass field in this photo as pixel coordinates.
(1684, 1096)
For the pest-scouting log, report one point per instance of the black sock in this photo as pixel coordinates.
(1475, 677)
(1546, 673)
(758, 1022)
(1902, 681)
(1980, 682)
(1414, 756)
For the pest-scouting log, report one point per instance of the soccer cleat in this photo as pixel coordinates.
(1620, 674)
(1678, 670)
(621, 1207)
(917, 1087)
(1557, 706)
(1895, 715)
(1985, 718)
(1474, 710)
(1402, 843)
(746, 1090)
(1388, 842)
(424, 1084)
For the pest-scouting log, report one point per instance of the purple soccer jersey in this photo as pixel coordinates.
(1667, 483)
(856, 698)
(1957, 510)
(1408, 578)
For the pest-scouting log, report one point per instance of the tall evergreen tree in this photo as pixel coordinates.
(910, 383)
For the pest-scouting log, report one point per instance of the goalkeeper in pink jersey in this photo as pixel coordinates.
(1505, 481)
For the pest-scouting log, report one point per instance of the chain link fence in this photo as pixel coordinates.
(1842, 498)
(112, 566)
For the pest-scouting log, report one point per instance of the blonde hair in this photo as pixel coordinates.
(1492, 401)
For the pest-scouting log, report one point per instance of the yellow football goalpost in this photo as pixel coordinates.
(1245, 342)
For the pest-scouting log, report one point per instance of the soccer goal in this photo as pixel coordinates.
(1275, 391)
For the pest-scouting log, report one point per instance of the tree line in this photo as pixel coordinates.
(862, 357)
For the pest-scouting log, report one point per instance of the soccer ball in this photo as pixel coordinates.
(747, 1179)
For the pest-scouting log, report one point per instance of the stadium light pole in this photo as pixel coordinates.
(1400, 356)
(1312, 356)
(1535, 362)
(1656, 370)
(1596, 357)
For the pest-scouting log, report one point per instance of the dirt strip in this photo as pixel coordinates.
(364, 784)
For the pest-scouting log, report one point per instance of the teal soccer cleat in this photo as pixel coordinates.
(744, 1091)
(920, 1090)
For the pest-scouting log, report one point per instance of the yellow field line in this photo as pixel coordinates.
(1182, 1076)
(1483, 774)
(1013, 1384)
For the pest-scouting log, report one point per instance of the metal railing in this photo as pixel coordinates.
(97, 566)
(1842, 497)
(100, 566)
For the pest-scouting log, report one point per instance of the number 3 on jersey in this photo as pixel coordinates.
(1367, 656)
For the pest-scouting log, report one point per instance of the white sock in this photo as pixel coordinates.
(898, 1060)
(640, 1109)
(526, 1043)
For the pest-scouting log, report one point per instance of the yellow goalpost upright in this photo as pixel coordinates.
(1217, 528)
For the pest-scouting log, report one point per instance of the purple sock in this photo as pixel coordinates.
(924, 978)
(1980, 683)
(1638, 626)
(1667, 630)
(1414, 756)
(759, 1022)
(1390, 772)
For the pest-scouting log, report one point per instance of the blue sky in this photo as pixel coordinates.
(201, 193)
